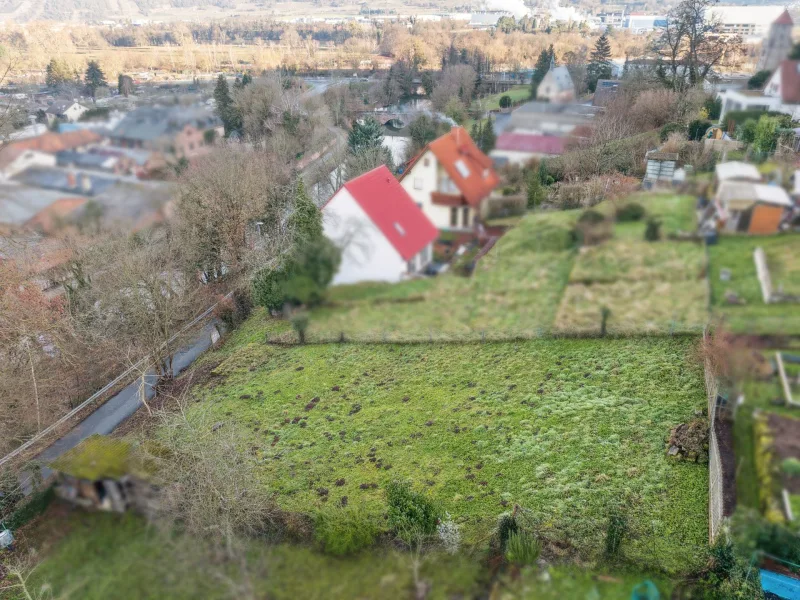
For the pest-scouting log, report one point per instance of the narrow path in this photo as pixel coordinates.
(115, 410)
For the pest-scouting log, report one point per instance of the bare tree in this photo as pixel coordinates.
(458, 81)
(231, 212)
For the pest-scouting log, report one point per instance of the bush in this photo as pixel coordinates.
(299, 322)
(234, 311)
(343, 531)
(522, 549)
(713, 107)
(791, 466)
(506, 527)
(505, 101)
(652, 232)
(740, 116)
(267, 288)
(698, 128)
(632, 211)
(592, 217)
(411, 514)
(757, 81)
(670, 128)
(616, 530)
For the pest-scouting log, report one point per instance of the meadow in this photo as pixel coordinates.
(568, 429)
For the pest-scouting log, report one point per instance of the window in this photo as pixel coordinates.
(399, 228)
(465, 216)
(462, 168)
(426, 161)
(417, 183)
(454, 217)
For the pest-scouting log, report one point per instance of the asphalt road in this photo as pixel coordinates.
(115, 410)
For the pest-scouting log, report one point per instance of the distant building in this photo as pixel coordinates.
(521, 148)
(179, 131)
(546, 118)
(15, 160)
(605, 91)
(556, 86)
(383, 235)
(747, 21)
(486, 20)
(781, 93)
(778, 43)
(66, 110)
(640, 23)
(450, 180)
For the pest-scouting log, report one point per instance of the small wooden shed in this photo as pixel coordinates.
(105, 473)
(660, 166)
(754, 208)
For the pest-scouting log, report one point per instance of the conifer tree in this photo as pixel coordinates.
(599, 62)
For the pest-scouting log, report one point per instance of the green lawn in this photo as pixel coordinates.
(519, 93)
(648, 286)
(736, 254)
(564, 428)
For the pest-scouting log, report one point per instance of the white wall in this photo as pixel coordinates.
(421, 181)
(29, 158)
(397, 147)
(366, 254)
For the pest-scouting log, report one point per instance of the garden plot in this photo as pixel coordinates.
(737, 298)
(785, 447)
(567, 429)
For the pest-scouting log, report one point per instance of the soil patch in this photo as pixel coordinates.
(723, 428)
(786, 444)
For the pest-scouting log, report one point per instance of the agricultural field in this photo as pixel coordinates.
(735, 253)
(647, 286)
(568, 429)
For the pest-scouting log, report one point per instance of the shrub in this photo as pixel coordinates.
(505, 101)
(670, 128)
(267, 287)
(506, 527)
(698, 128)
(411, 514)
(791, 466)
(234, 311)
(449, 534)
(632, 211)
(605, 312)
(616, 530)
(591, 217)
(522, 549)
(757, 81)
(652, 232)
(345, 530)
(299, 322)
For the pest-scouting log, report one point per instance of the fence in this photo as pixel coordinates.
(715, 478)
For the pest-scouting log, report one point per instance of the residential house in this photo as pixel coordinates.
(778, 44)
(383, 234)
(14, 160)
(450, 179)
(51, 143)
(179, 131)
(520, 148)
(749, 22)
(754, 208)
(780, 94)
(65, 110)
(556, 86)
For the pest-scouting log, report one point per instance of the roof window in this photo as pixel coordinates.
(399, 228)
(462, 167)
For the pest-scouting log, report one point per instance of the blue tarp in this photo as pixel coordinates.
(780, 585)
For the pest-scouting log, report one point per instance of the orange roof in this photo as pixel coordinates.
(55, 142)
(469, 168)
(784, 19)
(47, 218)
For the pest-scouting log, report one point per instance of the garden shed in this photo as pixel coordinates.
(660, 167)
(735, 170)
(754, 208)
(104, 473)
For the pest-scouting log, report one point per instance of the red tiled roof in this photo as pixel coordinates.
(784, 19)
(56, 142)
(790, 81)
(531, 143)
(393, 211)
(47, 218)
(457, 146)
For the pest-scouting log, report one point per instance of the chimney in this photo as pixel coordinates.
(86, 183)
(71, 183)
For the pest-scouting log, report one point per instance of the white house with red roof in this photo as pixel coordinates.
(383, 234)
(450, 180)
(780, 94)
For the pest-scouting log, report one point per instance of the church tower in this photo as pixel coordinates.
(777, 44)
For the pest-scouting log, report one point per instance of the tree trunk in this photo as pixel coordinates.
(35, 388)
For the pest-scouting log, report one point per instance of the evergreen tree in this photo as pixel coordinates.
(534, 189)
(540, 70)
(57, 74)
(599, 62)
(488, 137)
(366, 135)
(227, 111)
(95, 78)
(305, 221)
(247, 79)
(476, 132)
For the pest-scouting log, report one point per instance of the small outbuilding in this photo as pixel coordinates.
(105, 473)
(754, 208)
(660, 167)
(736, 171)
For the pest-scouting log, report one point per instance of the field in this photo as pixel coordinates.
(518, 94)
(736, 254)
(647, 286)
(567, 429)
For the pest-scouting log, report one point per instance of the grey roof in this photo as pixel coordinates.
(150, 123)
(553, 109)
(59, 106)
(606, 89)
(55, 178)
(20, 203)
(128, 202)
(87, 160)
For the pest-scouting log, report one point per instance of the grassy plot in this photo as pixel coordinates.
(514, 292)
(109, 556)
(518, 94)
(567, 429)
(648, 286)
(735, 253)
